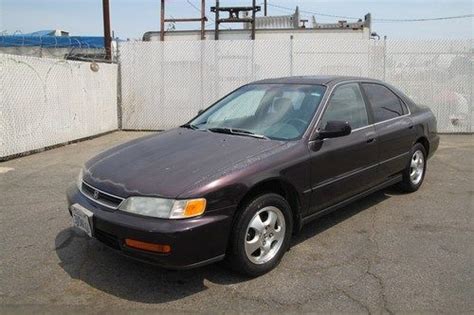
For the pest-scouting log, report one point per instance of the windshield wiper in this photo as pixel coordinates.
(249, 133)
(239, 132)
(189, 126)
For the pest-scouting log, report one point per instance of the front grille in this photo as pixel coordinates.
(106, 238)
(100, 196)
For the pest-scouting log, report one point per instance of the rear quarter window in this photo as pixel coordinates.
(385, 104)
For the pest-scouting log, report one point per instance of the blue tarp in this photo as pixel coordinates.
(30, 40)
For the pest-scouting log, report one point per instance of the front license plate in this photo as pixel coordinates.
(82, 218)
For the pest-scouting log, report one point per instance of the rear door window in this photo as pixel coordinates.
(385, 104)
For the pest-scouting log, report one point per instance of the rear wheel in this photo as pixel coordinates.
(414, 173)
(261, 235)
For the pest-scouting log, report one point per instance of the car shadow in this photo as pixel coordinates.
(107, 270)
(104, 269)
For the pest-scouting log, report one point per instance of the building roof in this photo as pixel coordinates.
(294, 21)
(276, 24)
(276, 21)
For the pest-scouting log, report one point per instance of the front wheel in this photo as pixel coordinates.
(414, 173)
(261, 235)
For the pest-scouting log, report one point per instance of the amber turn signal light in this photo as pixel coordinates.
(194, 207)
(150, 247)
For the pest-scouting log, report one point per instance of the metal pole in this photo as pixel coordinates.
(162, 21)
(119, 92)
(384, 57)
(216, 30)
(203, 19)
(107, 38)
(254, 4)
(471, 117)
(291, 55)
(265, 7)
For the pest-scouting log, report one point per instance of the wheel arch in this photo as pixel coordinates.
(278, 186)
(425, 143)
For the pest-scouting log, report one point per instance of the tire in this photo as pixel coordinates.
(414, 173)
(256, 248)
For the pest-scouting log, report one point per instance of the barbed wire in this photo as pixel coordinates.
(41, 46)
(73, 53)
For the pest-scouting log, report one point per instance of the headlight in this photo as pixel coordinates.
(79, 178)
(164, 208)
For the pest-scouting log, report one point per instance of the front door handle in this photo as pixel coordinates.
(371, 140)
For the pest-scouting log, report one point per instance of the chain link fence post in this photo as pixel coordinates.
(119, 88)
(291, 55)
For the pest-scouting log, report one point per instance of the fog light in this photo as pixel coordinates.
(151, 247)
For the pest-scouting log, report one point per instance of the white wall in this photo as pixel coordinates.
(164, 84)
(265, 34)
(44, 102)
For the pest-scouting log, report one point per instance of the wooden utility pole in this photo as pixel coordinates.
(203, 19)
(162, 21)
(216, 26)
(254, 5)
(107, 38)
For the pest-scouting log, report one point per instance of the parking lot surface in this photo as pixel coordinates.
(389, 252)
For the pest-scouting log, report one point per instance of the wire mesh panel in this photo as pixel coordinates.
(44, 102)
(339, 57)
(164, 84)
(436, 73)
(154, 75)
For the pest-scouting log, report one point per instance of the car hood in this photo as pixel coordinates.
(167, 163)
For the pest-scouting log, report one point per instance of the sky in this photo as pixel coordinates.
(132, 18)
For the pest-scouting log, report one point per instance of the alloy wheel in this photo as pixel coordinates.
(265, 235)
(417, 167)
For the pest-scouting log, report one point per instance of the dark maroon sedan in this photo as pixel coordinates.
(238, 180)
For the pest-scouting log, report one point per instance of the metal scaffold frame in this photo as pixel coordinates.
(235, 16)
(202, 20)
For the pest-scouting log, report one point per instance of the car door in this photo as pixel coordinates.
(394, 128)
(343, 166)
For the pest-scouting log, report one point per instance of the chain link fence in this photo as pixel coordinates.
(44, 102)
(164, 84)
(437, 73)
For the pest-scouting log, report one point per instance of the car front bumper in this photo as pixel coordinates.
(194, 242)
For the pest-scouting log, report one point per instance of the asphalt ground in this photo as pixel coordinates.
(387, 253)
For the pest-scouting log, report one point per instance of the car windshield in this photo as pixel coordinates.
(275, 111)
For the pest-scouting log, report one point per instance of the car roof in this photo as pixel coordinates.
(319, 79)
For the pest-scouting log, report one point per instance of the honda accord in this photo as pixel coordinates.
(241, 178)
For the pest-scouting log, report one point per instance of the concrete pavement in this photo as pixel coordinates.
(389, 252)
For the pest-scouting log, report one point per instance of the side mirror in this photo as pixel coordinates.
(200, 111)
(334, 129)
